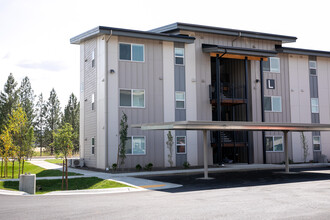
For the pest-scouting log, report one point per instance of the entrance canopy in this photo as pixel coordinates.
(238, 52)
(235, 126)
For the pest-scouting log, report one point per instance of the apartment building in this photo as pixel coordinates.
(188, 72)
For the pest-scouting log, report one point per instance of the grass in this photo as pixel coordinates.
(33, 169)
(45, 186)
(57, 161)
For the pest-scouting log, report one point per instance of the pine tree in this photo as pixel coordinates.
(52, 118)
(26, 97)
(40, 122)
(71, 116)
(8, 100)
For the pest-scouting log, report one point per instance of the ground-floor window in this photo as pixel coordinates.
(180, 144)
(274, 143)
(135, 145)
(93, 145)
(316, 143)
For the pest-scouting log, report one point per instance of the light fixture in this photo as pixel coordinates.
(112, 71)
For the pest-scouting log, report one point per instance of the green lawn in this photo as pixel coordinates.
(57, 161)
(45, 186)
(33, 169)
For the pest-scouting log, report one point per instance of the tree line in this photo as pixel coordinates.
(26, 123)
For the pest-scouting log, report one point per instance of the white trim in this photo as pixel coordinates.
(131, 60)
(145, 145)
(185, 144)
(309, 64)
(271, 103)
(144, 100)
(180, 100)
(273, 136)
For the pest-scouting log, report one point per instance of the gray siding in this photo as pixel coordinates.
(145, 75)
(89, 89)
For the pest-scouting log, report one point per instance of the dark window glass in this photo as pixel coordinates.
(125, 51)
(266, 65)
(267, 103)
(93, 150)
(269, 143)
(312, 71)
(125, 98)
(179, 60)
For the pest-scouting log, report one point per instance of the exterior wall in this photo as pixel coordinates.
(323, 72)
(168, 93)
(82, 103)
(300, 103)
(90, 121)
(145, 75)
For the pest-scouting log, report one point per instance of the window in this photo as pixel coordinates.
(273, 103)
(312, 67)
(270, 83)
(179, 55)
(93, 102)
(316, 142)
(93, 145)
(274, 144)
(131, 52)
(93, 58)
(180, 144)
(272, 65)
(180, 100)
(132, 98)
(135, 146)
(315, 105)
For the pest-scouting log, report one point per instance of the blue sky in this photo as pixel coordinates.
(35, 34)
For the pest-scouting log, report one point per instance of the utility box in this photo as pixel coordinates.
(27, 183)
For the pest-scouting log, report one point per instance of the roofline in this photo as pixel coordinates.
(223, 31)
(300, 51)
(102, 30)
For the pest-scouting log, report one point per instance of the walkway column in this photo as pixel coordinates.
(206, 175)
(286, 150)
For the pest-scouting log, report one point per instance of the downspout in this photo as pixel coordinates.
(247, 105)
(106, 101)
(239, 35)
(262, 109)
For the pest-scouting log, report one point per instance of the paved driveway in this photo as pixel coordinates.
(239, 195)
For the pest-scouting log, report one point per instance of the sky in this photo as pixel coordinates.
(35, 34)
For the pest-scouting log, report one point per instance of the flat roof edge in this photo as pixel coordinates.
(301, 51)
(130, 33)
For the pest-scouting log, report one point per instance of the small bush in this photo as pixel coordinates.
(148, 166)
(138, 167)
(186, 165)
(114, 167)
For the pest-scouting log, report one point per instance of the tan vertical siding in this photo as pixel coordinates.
(145, 75)
(89, 89)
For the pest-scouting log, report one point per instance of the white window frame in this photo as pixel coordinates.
(131, 44)
(318, 105)
(185, 144)
(276, 136)
(318, 136)
(132, 101)
(309, 64)
(93, 101)
(145, 145)
(93, 145)
(175, 56)
(180, 100)
(271, 102)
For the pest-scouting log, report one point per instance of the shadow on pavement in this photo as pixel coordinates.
(191, 182)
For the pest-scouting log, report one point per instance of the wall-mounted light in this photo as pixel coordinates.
(257, 80)
(112, 71)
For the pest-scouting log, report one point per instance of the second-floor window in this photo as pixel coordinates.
(315, 105)
(273, 103)
(131, 52)
(179, 56)
(132, 98)
(272, 65)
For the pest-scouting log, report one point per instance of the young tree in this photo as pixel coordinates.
(123, 139)
(71, 116)
(63, 146)
(52, 118)
(40, 123)
(26, 98)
